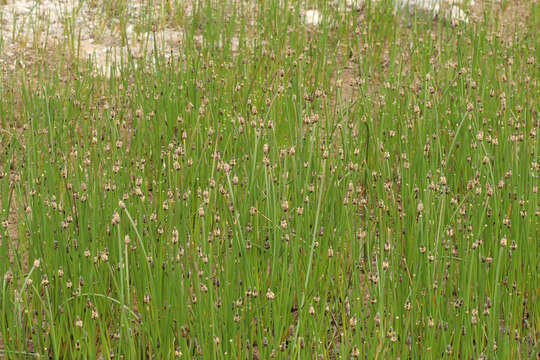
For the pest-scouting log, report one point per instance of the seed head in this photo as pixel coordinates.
(115, 219)
(78, 322)
(330, 252)
(174, 235)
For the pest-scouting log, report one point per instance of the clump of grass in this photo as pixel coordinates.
(358, 189)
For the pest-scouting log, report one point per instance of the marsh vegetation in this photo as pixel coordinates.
(362, 187)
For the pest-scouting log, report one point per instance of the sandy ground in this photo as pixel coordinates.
(27, 25)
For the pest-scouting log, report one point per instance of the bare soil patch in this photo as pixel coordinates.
(508, 17)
